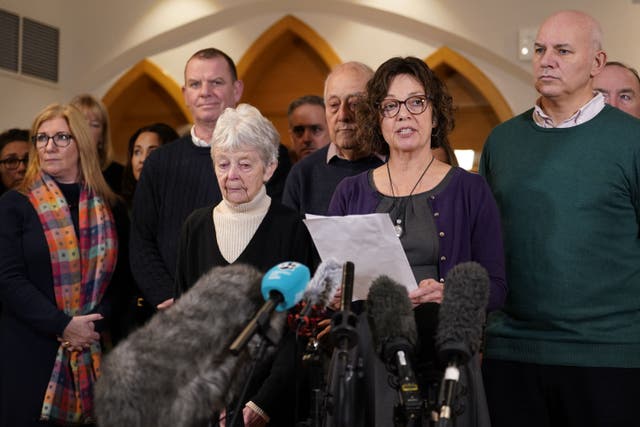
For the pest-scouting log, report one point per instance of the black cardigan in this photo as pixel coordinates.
(281, 236)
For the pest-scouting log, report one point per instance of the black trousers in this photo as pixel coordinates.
(527, 394)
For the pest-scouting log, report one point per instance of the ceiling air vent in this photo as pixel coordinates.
(9, 34)
(40, 45)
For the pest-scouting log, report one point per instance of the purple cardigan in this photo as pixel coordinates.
(465, 215)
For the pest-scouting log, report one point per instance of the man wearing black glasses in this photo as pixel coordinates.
(14, 156)
(312, 180)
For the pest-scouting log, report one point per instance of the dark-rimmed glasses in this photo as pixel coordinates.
(415, 105)
(12, 163)
(60, 139)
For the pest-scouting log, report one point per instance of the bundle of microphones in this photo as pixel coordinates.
(319, 293)
(458, 338)
(193, 358)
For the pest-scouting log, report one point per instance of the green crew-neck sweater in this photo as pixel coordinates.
(570, 203)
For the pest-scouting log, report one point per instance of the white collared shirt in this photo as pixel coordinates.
(587, 112)
(198, 142)
(333, 152)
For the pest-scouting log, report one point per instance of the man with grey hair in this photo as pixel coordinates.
(620, 85)
(312, 180)
(565, 348)
(307, 125)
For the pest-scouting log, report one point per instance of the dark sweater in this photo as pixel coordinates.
(275, 186)
(177, 178)
(312, 180)
(113, 175)
(281, 236)
(570, 206)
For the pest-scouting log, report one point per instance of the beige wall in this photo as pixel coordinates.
(101, 39)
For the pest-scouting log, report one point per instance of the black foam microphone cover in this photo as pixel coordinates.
(462, 312)
(391, 318)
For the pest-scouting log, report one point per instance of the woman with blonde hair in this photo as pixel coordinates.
(58, 253)
(98, 119)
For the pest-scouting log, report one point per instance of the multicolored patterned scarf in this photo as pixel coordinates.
(82, 269)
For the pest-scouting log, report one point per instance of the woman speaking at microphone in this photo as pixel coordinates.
(443, 215)
(246, 226)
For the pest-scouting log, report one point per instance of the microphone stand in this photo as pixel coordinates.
(457, 355)
(312, 361)
(345, 335)
(409, 410)
(448, 391)
(237, 410)
(267, 337)
(343, 370)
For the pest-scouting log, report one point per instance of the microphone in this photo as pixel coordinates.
(460, 322)
(320, 292)
(321, 289)
(347, 286)
(344, 322)
(282, 288)
(344, 336)
(176, 370)
(394, 335)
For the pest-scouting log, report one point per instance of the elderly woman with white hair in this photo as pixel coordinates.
(246, 226)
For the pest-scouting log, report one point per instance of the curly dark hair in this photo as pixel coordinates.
(368, 115)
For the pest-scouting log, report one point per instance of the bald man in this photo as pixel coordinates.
(620, 86)
(565, 349)
(312, 180)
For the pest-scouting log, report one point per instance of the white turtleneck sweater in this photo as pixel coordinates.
(235, 225)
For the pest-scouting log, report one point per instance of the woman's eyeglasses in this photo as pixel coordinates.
(60, 139)
(12, 163)
(415, 105)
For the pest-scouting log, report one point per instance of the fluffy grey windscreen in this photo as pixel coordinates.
(390, 313)
(462, 312)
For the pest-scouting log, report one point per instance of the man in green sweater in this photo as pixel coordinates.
(565, 349)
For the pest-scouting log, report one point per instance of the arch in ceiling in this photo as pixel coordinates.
(238, 14)
(447, 56)
(155, 73)
(287, 25)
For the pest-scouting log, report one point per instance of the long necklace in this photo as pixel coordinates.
(400, 218)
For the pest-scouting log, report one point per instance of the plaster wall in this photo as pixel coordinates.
(102, 40)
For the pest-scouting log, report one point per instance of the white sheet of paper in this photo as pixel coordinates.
(369, 241)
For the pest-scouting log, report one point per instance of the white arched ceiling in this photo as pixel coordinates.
(235, 15)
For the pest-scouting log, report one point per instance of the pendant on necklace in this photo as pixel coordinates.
(398, 227)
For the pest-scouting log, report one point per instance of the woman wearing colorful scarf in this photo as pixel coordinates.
(58, 252)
